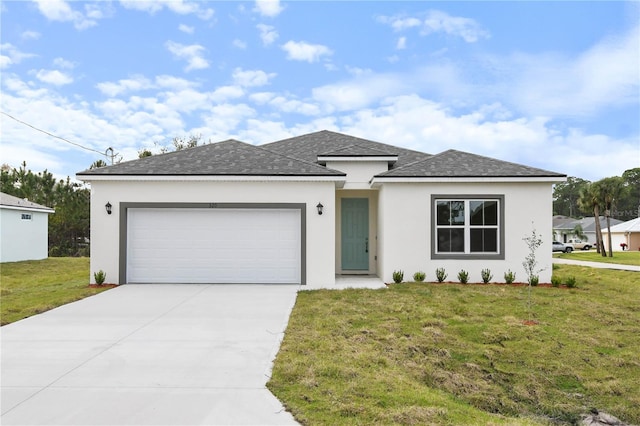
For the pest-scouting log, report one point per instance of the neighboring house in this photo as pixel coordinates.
(564, 227)
(625, 232)
(305, 209)
(25, 229)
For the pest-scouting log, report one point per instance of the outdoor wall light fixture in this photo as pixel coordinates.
(319, 207)
(108, 207)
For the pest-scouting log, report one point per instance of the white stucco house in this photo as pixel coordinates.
(24, 228)
(306, 209)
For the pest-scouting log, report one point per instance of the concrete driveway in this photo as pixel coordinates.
(149, 355)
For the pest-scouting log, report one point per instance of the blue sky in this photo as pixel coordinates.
(554, 85)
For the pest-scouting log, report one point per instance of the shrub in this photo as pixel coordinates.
(555, 281)
(571, 282)
(99, 276)
(398, 276)
(534, 280)
(441, 275)
(509, 277)
(463, 276)
(419, 276)
(486, 275)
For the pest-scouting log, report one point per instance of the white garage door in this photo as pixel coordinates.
(194, 245)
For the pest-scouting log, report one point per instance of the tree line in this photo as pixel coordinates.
(615, 197)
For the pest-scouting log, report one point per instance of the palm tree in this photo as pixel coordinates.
(611, 189)
(578, 232)
(590, 201)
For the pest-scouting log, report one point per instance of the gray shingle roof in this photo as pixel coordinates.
(12, 201)
(454, 163)
(228, 158)
(308, 147)
(588, 224)
(358, 151)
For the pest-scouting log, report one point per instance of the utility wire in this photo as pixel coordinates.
(55, 136)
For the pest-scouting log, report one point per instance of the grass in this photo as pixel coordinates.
(449, 354)
(31, 287)
(619, 257)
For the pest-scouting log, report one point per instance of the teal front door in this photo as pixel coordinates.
(355, 234)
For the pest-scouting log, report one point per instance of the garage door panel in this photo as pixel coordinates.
(214, 245)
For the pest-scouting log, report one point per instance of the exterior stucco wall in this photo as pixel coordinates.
(320, 229)
(372, 196)
(632, 240)
(23, 239)
(359, 173)
(404, 229)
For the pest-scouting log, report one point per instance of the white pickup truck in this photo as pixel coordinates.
(580, 245)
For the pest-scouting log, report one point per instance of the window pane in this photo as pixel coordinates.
(444, 212)
(457, 212)
(484, 240)
(491, 240)
(476, 208)
(444, 240)
(490, 212)
(451, 240)
(476, 243)
(457, 240)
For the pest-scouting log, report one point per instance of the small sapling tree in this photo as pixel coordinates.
(530, 263)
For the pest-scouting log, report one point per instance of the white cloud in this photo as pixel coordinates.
(30, 35)
(363, 90)
(239, 44)
(11, 55)
(417, 123)
(186, 28)
(603, 76)
(251, 78)
(268, 8)
(226, 93)
(63, 63)
(187, 100)
(294, 106)
(261, 98)
(399, 23)
(223, 119)
(180, 7)
(303, 51)
(61, 11)
(402, 43)
(436, 21)
(174, 83)
(5, 62)
(135, 83)
(55, 77)
(268, 34)
(193, 54)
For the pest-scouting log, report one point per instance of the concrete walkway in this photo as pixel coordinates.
(149, 355)
(600, 265)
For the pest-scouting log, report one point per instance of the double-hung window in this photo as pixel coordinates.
(467, 226)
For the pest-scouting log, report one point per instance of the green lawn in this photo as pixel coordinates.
(619, 257)
(31, 287)
(455, 354)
